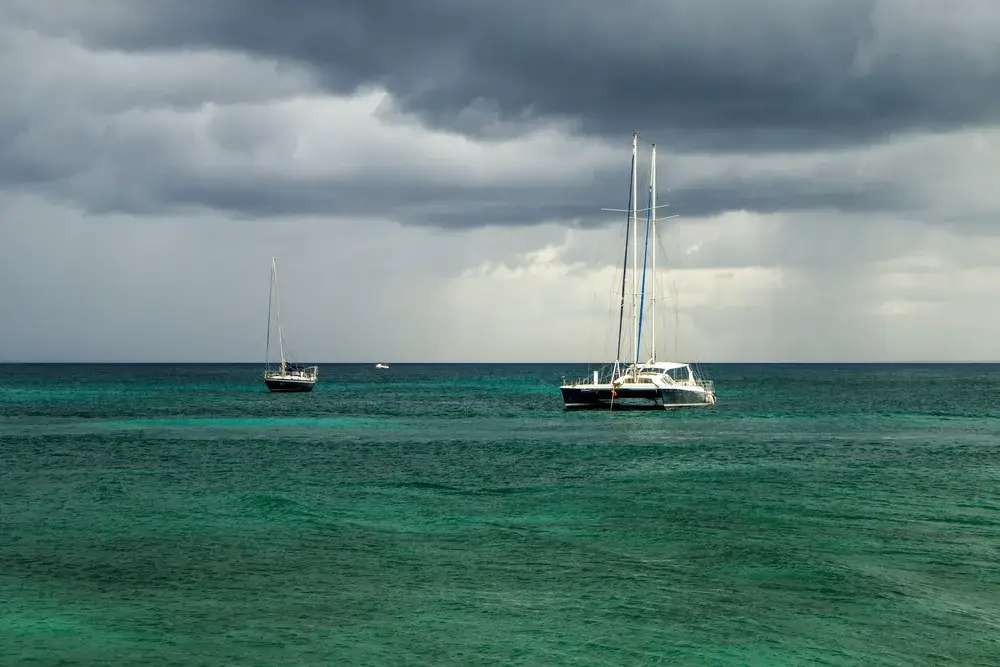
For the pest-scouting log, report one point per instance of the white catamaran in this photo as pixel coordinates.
(634, 381)
(288, 376)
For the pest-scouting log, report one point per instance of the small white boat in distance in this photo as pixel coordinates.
(386, 366)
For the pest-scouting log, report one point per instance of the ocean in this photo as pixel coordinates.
(455, 514)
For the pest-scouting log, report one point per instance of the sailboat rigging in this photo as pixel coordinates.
(633, 382)
(287, 377)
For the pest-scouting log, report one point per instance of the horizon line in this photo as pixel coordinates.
(517, 363)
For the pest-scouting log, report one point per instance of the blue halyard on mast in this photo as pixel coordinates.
(645, 254)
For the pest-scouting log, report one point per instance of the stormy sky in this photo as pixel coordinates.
(430, 174)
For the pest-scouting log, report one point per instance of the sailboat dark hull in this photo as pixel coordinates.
(285, 385)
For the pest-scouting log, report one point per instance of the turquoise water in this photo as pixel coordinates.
(456, 515)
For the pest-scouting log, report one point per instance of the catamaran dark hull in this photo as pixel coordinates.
(284, 385)
(625, 398)
(597, 397)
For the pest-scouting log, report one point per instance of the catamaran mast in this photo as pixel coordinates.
(645, 258)
(635, 252)
(652, 300)
(621, 305)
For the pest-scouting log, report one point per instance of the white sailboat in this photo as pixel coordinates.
(287, 377)
(634, 381)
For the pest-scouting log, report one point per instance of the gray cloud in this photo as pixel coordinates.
(716, 74)
(157, 108)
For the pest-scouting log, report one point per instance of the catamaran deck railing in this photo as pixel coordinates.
(707, 385)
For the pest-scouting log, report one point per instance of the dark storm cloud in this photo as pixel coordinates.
(700, 77)
(704, 74)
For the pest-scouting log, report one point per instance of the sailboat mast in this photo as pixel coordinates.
(277, 303)
(652, 324)
(635, 251)
(270, 300)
